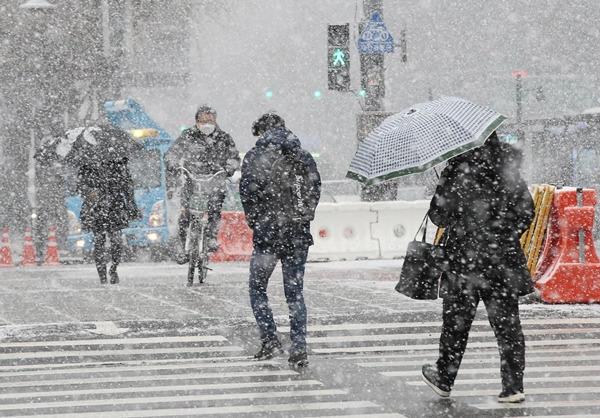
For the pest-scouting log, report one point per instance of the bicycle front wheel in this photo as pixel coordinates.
(193, 253)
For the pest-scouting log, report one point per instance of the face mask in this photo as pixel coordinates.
(207, 128)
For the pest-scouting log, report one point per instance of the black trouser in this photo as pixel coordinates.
(503, 314)
(214, 217)
(116, 247)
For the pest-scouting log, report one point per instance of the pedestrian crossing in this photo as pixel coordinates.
(562, 361)
(176, 376)
(166, 376)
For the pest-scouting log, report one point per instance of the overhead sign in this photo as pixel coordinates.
(375, 38)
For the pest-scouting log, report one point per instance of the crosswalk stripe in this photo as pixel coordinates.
(426, 336)
(224, 410)
(476, 353)
(170, 388)
(495, 360)
(191, 364)
(434, 346)
(541, 404)
(467, 371)
(124, 352)
(169, 399)
(117, 341)
(389, 415)
(464, 382)
(156, 377)
(72, 365)
(416, 324)
(530, 391)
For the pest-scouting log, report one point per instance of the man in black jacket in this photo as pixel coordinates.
(202, 149)
(274, 240)
(485, 205)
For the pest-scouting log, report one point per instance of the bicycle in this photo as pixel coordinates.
(203, 187)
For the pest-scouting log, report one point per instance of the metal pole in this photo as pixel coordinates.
(519, 99)
(372, 65)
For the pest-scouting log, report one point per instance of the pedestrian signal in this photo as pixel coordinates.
(338, 57)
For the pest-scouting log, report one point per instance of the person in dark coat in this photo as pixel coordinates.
(274, 242)
(202, 149)
(485, 206)
(108, 206)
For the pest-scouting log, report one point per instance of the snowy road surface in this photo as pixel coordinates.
(153, 347)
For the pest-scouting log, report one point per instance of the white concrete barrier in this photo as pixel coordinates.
(342, 231)
(364, 230)
(397, 223)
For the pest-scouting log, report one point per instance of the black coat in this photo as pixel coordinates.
(254, 193)
(486, 206)
(107, 193)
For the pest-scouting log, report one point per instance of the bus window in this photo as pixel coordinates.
(144, 166)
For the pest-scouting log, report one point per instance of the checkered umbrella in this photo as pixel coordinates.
(421, 137)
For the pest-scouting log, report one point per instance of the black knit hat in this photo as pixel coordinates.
(266, 122)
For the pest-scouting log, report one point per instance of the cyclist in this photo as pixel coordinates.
(202, 149)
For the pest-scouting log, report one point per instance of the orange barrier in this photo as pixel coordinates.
(235, 238)
(5, 252)
(52, 250)
(28, 258)
(568, 270)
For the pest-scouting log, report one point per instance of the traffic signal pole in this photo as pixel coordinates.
(372, 75)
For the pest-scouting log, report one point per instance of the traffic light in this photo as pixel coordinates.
(338, 57)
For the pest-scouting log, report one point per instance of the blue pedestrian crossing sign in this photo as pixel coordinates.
(375, 38)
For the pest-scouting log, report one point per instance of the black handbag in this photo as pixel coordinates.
(422, 268)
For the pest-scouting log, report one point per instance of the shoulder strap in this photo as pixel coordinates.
(424, 228)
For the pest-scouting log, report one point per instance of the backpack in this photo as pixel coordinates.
(292, 187)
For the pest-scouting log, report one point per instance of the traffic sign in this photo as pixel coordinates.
(375, 38)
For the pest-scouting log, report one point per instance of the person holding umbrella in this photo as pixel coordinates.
(106, 188)
(484, 205)
(100, 153)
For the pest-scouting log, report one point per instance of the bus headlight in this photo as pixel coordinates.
(80, 243)
(157, 214)
(74, 225)
(152, 236)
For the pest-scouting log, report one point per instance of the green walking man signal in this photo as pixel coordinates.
(339, 58)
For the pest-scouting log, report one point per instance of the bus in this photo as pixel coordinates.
(155, 229)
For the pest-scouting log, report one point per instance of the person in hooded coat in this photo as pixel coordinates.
(273, 242)
(485, 206)
(202, 149)
(108, 206)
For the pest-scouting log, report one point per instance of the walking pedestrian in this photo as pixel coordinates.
(202, 149)
(485, 205)
(108, 206)
(274, 167)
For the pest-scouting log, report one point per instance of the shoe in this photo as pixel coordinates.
(212, 244)
(431, 377)
(114, 277)
(298, 357)
(269, 350)
(511, 397)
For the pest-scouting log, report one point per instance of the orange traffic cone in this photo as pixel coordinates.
(28, 258)
(5, 253)
(52, 250)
